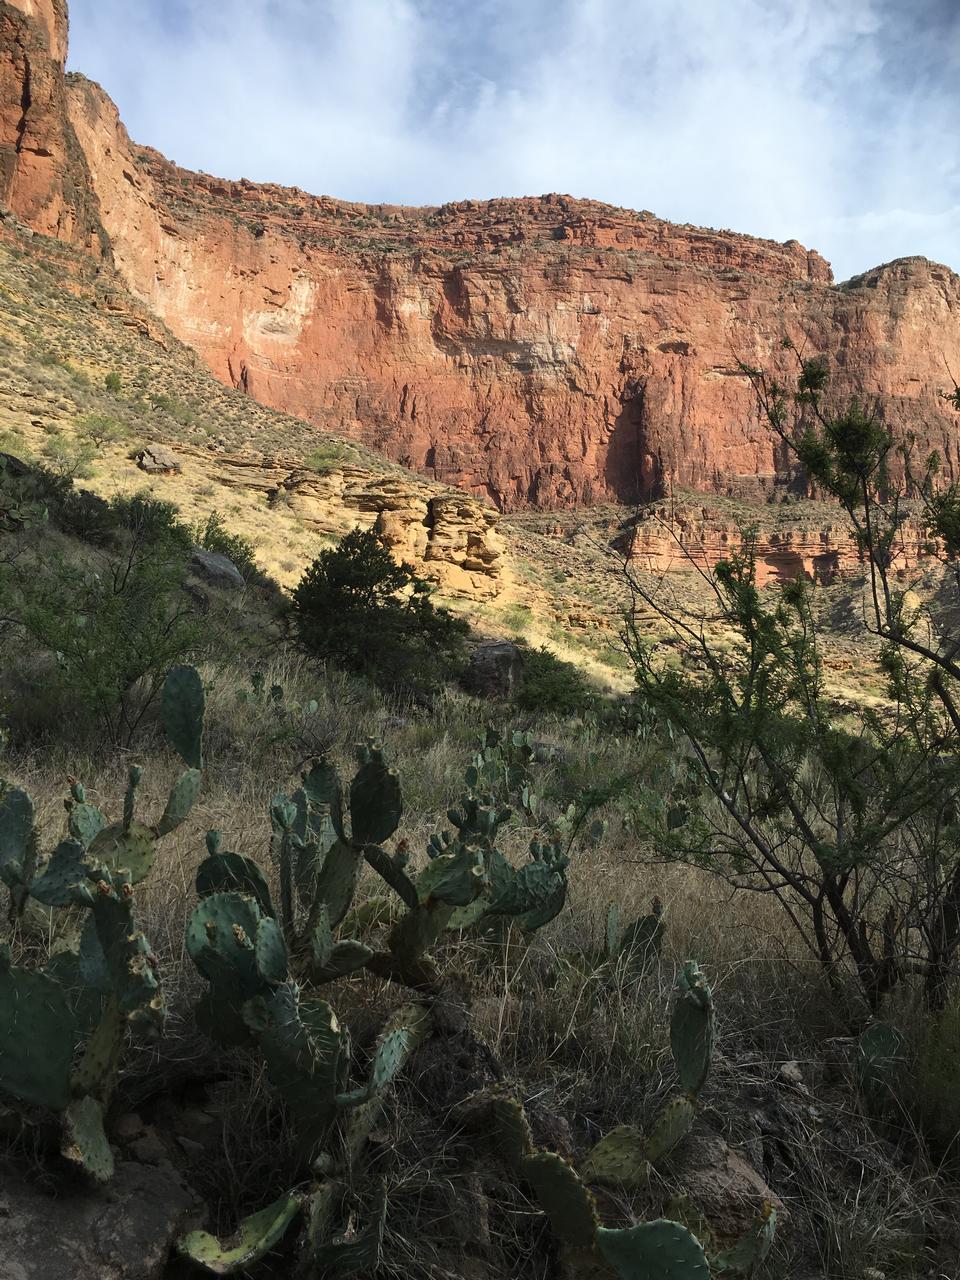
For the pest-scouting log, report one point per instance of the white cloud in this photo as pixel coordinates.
(835, 124)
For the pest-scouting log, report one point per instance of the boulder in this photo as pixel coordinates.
(120, 1232)
(722, 1186)
(496, 669)
(158, 460)
(216, 569)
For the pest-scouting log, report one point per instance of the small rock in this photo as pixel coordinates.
(149, 1149)
(216, 569)
(189, 1147)
(791, 1074)
(157, 459)
(128, 1127)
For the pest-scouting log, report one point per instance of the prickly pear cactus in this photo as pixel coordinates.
(660, 1250)
(693, 1028)
(253, 1240)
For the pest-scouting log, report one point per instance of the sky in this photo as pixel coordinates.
(834, 122)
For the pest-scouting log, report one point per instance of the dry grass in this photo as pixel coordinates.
(576, 1043)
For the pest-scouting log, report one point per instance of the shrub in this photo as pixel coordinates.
(113, 383)
(358, 608)
(552, 686)
(67, 457)
(112, 627)
(99, 429)
(326, 458)
(214, 536)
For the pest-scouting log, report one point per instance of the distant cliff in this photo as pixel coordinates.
(539, 352)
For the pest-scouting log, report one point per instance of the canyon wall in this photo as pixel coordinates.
(542, 352)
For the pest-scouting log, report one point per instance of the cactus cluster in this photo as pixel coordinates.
(659, 1250)
(103, 985)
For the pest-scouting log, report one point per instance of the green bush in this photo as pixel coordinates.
(68, 457)
(107, 629)
(113, 383)
(213, 535)
(326, 458)
(98, 429)
(552, 686)
(358, 608)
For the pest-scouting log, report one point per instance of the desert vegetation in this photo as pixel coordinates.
(603, 980)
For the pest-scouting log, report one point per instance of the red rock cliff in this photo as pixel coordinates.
(539, 352)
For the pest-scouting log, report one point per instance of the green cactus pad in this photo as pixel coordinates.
(320, 839)
(97, 1069)
(514, 1141)
(85, 823)
(670, 1128)
(376, 803)
(37, 1037)
(692, 1028)
(404, 1031)
(253, 1240)
(134, 850)
(323, 789)
(221, 937)
(93, 963)
(618, 1160)
(181, 801)
(393, 873)
(232, 872)
(183, 706)
(67, 868)
(129, 959)
(564, 1199)
(456, 879)
(336, 882)
(660, 1250)
(751, 1250)
(84, 1141)
(328, 959)
(357, 1256)
(271, 952)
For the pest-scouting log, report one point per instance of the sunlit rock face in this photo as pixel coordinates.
(542, 352)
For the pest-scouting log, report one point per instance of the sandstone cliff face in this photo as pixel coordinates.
(537, 352)
(43, 174)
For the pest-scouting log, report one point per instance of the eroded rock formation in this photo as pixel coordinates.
(534, 352)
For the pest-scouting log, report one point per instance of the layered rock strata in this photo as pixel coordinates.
(544, 352)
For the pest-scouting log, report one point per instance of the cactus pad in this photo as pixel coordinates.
(183, 705)
(376, 804)
(133, 849)
(618, 1160)
(692, 1028)
(512, 1130)
(562, 1196)
(670, 1128)
(85, 1143)
(85, 823)
(253, 1240)
(37, 1039)
(748, 1253)
(16, 824)
(182, 798)
(67, 868)
(221, 937)
(660, 1250)
(232, 872)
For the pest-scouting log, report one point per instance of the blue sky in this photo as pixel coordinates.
(833, 121)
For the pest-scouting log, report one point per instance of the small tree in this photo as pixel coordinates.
(99, 429)
(359, 609)
(851, 819)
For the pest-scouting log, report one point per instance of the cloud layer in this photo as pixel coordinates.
(834, 124)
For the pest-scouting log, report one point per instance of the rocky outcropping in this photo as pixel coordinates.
(686, 537)
(540, 352)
